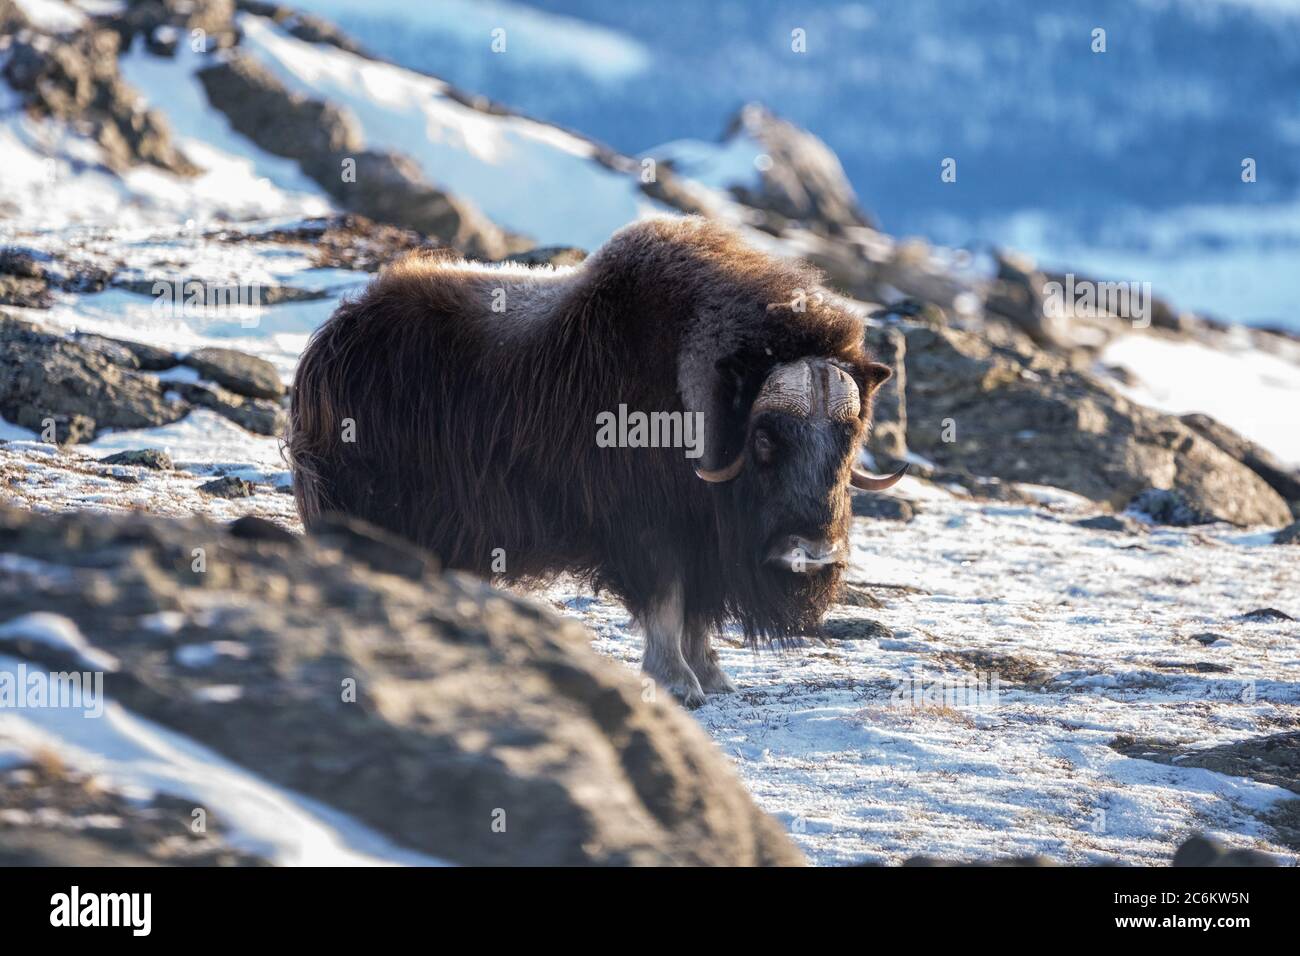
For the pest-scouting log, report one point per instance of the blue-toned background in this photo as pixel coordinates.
(1125, 163)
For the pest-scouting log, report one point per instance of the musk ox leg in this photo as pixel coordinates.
(703, 659)
(663, 622)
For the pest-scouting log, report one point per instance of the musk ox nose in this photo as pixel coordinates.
(804, 555)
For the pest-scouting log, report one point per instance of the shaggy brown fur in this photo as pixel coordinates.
(475, 429)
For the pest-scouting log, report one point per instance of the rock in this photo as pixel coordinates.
(228, 486)
(155, 19)
(854, 595)
(1288, 535)
(25, 293)
(76, 79)
(801, 180)
(258, 415)
(253, 528)
(1167, 506)
(887, 507)
(1022, 414)
(1285, 481)
(240, 372)
(887, 440)
(45, 376)
(324, 139)
(391, 187)
(287, 124)
(1263, 614)
(304, 26)
(1274, 759)
(134, 355)
(54, 816)
(154, 458)
(1110, 523)
(1207, 638)
(1203, 851)
(855, 629)
(346, 241)
(470, 703)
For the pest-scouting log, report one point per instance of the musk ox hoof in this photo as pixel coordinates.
(712, 678)
(681, 684)
(718, 683)
(691, 698)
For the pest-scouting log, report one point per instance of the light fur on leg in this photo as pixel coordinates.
(663, 625)
(703, 660)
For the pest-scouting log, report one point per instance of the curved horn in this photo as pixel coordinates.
(860, 479)
(723, 474)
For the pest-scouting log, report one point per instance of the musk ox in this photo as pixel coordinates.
(459, 405)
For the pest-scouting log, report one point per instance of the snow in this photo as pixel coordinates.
(819, 737)
(142, 758)
(52, 16)
(525, 176)
(56, 631)
(1251, 391)
(719, 166)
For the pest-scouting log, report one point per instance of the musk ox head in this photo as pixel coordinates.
(786, 513)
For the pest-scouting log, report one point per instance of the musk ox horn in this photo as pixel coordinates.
(787, 389)
(723, 474)
(860, 479)
(843, 403)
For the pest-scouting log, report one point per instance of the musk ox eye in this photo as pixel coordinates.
(764, 447)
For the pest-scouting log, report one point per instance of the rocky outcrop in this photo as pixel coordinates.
(1285, 481)
(76, 79)
(240, 372)
(456, 719)
(344, 241)
(800, 179)
(57, 816)
(1021, 414)
(86, 383)
(164, 23)
(304, 26)
(257, 415)
(326, 141)
(46, 378)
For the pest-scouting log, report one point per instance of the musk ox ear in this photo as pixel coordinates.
(876, 376)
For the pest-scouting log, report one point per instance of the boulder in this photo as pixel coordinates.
(240, 372)
(324, 138)
(128, 354)
(76, 79)
(1022, 414)
(257, 415)
(45, 376)
(887, 440)
(458, 720)
(801, 179)
(1281, 478)
(154, 458)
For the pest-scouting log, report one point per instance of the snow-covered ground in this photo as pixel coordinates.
(1255, 393)
(140, 758)
(1093, 636)
(853, 744)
